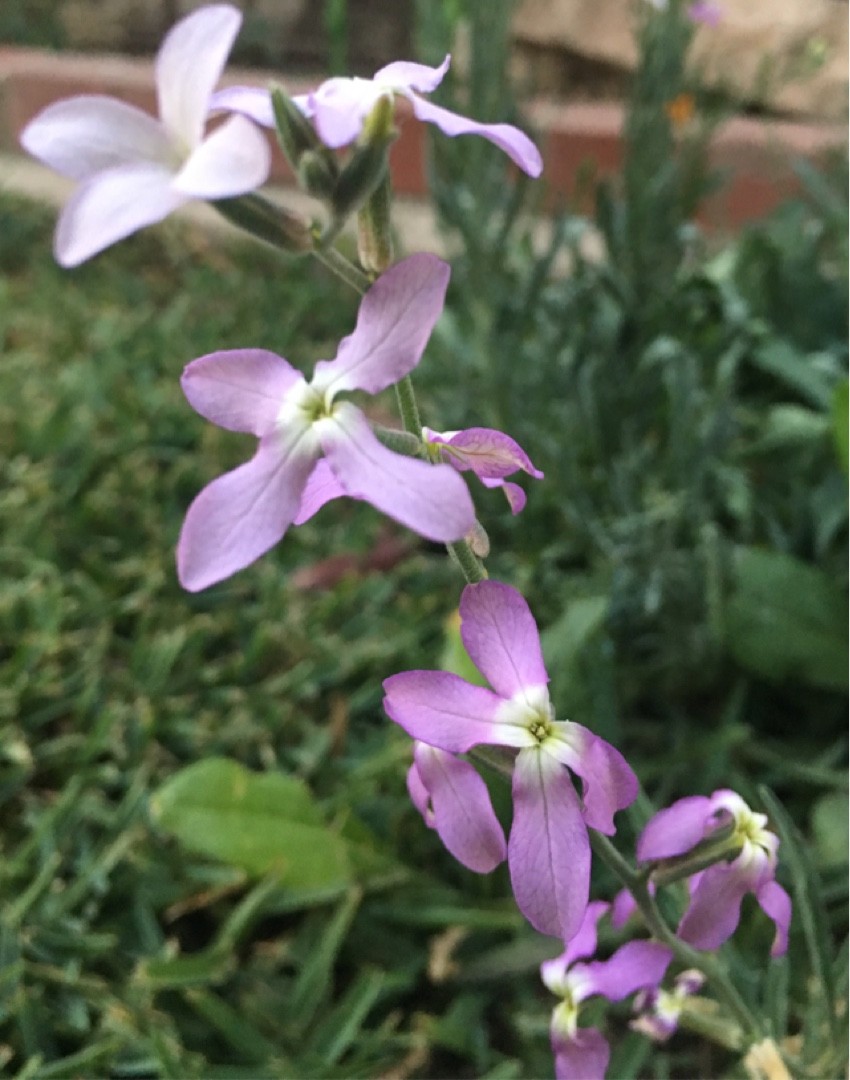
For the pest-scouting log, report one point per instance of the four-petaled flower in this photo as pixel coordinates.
(134, 169)
(717, 893)
(582, 1053)
(548, 848)
(490, 454)
(340, 105)
(312, 445)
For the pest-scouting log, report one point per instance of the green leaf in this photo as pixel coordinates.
(563, 641)
(261, 822)
(799, 371)
(829, 825)
(786, 620)
(841, 422)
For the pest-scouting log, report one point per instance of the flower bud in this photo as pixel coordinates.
(367, 166)
(272, 224)
(317, 173)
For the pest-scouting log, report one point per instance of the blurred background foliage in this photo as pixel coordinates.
(211, 867)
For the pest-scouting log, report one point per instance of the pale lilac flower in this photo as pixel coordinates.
(583, 1053)
(706, 12)
(310, 443)
(548, 847)
(340, 105)
(659, 1010)
(717, 893)
(490, 454)
(133, 169)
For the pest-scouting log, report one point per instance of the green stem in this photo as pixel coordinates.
(471, 566)
(636, 883)
(407, 407)
(343, 268)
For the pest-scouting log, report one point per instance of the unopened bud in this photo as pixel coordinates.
(295, 133)
(272, 224)
(478, 540)
(317, 173)
(367, 166)
(374, 229)
(719, 846)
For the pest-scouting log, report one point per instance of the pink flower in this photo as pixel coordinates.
(706, 12)
(717, 893)
(489, 454)
(658, 1010)
(313, 447)
(340, 105)
(133, 169)
(583, 1053)
(548, 848)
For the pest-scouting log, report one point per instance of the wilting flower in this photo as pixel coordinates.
(548, 847)
(311, 445)
(340, 105)
(490, 454)
(582, 1053)
(717, 892)
(135, 170)
(659, 1010)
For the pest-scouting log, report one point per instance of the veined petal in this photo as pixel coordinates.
(515, 143)
(715, 907)
(234, 159)
(776, 904)
(432, 500)
(582, 1057)
(112, 205)
(635, 965)
(189, 64)
(675, 830)
(582, 944)
(339, 106)
(462, 811)
(321, 487)
(403, 74)
(490, 454)
(609, 784)
(500, 635)
(82, 136)
(239, 389)
(394, 322)
(444, 710)
(548, 848)
(242, 514)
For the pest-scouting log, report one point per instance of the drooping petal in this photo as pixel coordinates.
(404, 74)
(443, 710)
(463, 814)
(776, 904)
(339, 106)
(419, 795)
(432, 500)
(515, 143)
(675, 830)
(513, 493)
(500, 635)
(233, 160)
(394, 322)
(188, 65)
(582, 1057)
(82, 136)
(609, 784)
(242, 514)
(490, 454)
(548, 848)
(251, 101)
(321, 487)
(239, 389)
(715, 907)
(112, 205)
(635, 965)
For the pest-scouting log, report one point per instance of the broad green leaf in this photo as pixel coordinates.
(261, 822)
(841, 421)
(789, 426)
(785, 620)
(799, 371)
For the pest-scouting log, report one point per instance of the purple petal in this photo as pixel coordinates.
(432, 500)
(443, 710)
(405, 75)
(242, 514)
(82, 136)
(675, 830)
(339, 106)
(112, 205)
(189, 64)
(234, 159)
(776, 904)
(490, 454)
(583, 1057)
(239, 389)
(715, 907)
(321, 488)
(623, 907)
(463, 814)
(580, 945)
(608, 785)
(514, 494)
(500, 635)
(251, 101)
(515, 143)
(419, 794)
(394, 322)
(635, 965)
(548, 848)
